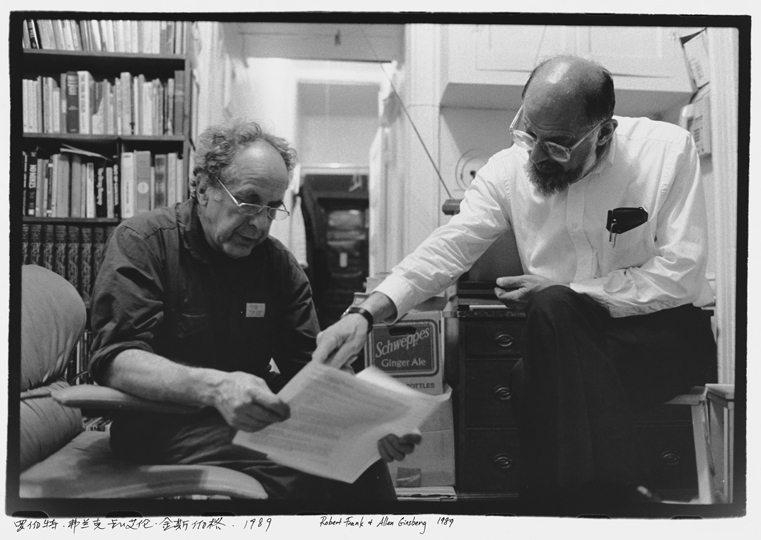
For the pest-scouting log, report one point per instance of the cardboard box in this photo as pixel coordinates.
(412, 349)
(432, 462)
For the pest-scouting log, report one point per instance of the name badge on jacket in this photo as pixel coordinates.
(254, 309)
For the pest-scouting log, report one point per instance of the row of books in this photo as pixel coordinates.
(74, 251)
(138, 37)
(78, 184)
(75, 102)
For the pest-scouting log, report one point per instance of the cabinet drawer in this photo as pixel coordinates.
(487, 398)
(670, 452)
(487, 461)
(494, 338)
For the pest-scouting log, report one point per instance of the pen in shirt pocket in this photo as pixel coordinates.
(624, 219)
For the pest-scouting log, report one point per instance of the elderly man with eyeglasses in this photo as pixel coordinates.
(610, 224)
(191, 305)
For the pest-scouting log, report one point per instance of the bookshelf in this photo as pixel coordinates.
(104, 135)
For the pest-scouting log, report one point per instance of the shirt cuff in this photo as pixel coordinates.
(401, 294)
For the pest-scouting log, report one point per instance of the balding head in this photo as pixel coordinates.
(580, 89)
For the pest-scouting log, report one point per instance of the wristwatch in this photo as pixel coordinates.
(362, 311)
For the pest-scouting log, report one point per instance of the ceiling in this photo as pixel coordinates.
(323, 41)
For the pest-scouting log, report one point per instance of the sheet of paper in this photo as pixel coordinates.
(337, 419)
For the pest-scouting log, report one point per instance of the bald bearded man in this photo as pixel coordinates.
(613, 321)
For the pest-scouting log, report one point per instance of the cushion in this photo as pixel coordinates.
(87, 468)
(46, 425)
(52, 321)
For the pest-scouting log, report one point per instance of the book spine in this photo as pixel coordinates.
(73, 256)
(25, 241)
(35, 243)
(97, 109)
(50, 189)
(85, 110)
(179, 102)
(60, 250)
(101, 205)
(85, 267)
(63, 186)
(48, 243)
(109, 180)
(98, 248)
(117, 190)
(30, 171)
(90, 185)
(34, 38)
(77, 188)
(128, 185)
(171, 178)
(142, 181)
(72, 102)
(126, 103)
(160, 187)
(42, 188)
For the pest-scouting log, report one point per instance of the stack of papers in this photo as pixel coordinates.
(337, 419)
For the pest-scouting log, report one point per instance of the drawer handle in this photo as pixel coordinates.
(671, 458)
(503, 461)
(502, 393)
(504, 340)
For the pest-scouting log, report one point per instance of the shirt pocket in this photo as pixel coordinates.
(626, 250)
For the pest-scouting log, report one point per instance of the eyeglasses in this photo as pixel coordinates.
(252, 210)
(555, 151)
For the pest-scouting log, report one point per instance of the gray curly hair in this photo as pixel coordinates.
(219, 144)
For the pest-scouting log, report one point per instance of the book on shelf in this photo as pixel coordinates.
(30, 163)
(63, 187)
(127, 185)
(171, 179)
(77, 187)
(25, 239)
(85, 101)
(59, 253)
(32, 30)
(77, 102)
(85, 267)
(160, 181)
(48, 243)
(115, 209)
(142, 181)
(72, 102)
(101, 210)
(90, 190)
(73, 256)
(179, 101)
(35, 243)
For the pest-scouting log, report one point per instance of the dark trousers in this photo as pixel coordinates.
(206, 439)
(582, 377)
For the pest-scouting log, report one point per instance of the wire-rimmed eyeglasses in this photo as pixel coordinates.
(556, 151)
(253, 210)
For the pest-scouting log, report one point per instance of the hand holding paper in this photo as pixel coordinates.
(337, 420)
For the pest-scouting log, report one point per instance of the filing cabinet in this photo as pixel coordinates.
(484, 345)
(486, 452)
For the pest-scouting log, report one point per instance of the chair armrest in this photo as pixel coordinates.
(89, 396)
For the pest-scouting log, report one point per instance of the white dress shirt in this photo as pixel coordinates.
(658, 265)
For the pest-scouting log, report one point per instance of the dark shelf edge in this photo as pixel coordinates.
(85, 221)
(53, 53)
